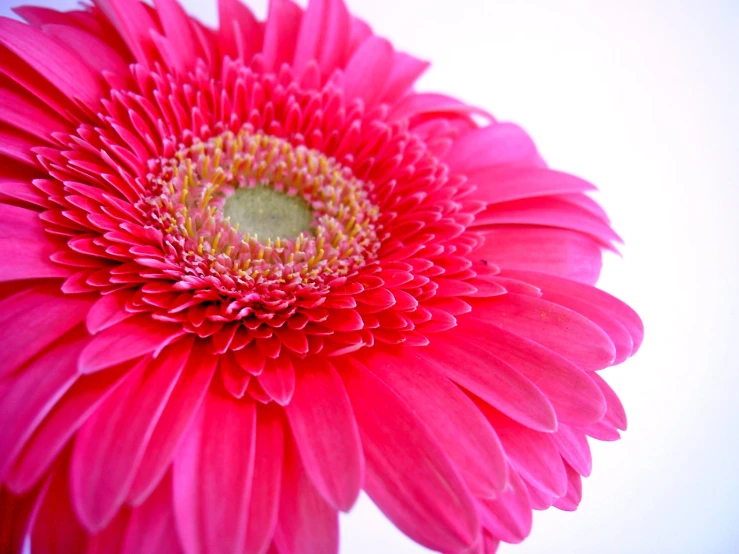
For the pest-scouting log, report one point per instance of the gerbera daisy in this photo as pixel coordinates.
(250, 272)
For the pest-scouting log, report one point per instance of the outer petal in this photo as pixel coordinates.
(496, 144)
(307, 524)
(326, 435)
(58, 65)
(213, 472)
(127, 340)
(508, 516)
(181, 407)
(42, 309)
(109, 447)
(496, 382)
(408, 475)
(265, 494)
(560, 252)
(31, 393)
(454, 420)
(151, 528)
(554, 327)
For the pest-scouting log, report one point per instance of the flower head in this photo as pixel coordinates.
(249, 272)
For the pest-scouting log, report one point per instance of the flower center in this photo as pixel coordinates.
(265, 213)
(252, 209)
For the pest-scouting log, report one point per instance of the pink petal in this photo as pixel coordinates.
(58, 65)
(16, 514)
(574, 448)
(561, 330)
(125, 341)
(31, 260)
(493, 380)
(615, 415)
(25, 113)
(368, 69)
(573, 394)
(508, 516)
(133, 22)
(306, 522)
(408, 475)
(496, 144)
(531, 453)
(451, 416)
(213, 471)
(44, 310)
(241, 34)
(406, 71)
(560, 252)
(110, 539)
(59, 426)
(325, 433)
(151, 528)
(503, 183)
(109, 310)
(176, 27)
(618, 334)
(91, 50)
(56, 529)
(278, 379)
(547, 212)
(602, 300)
(572, 499)
(29, 394)
(265, 494)
(180, 410)
(280, 32)
(110, 445)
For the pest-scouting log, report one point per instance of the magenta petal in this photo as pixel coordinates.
(133, 22)
(451, 416)
(16, 515)
(265, 493)
(42, 309)
(125, 341)
(280, 32)
(571, 500)
(496, 144)
(31, 393)
(508, 516)
(56, 529)
(615, 415)
(181, 407)
(326, 435)
(109, 310)
(29, 115)
(58, 65)
(601, 300)
(151, 528)
(574, 448)
(532, 454)
(93, 51)
(278, 379)
(561, 330)
(408, 475)
(571, 391)
(503, 183)
(367, 71)
(213, 471)
(495, 381)
(110, 445)
(59, 425)
(561, 252)
(306, 521)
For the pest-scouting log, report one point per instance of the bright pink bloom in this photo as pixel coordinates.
(247, 273)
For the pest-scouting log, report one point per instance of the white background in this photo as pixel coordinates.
(640, 97)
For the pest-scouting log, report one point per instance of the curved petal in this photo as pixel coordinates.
(408, 475)
(326, 435)
(213, 471)
(454, 420)
(110, 445)
(151, 528)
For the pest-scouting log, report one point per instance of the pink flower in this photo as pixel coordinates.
(250, 272)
